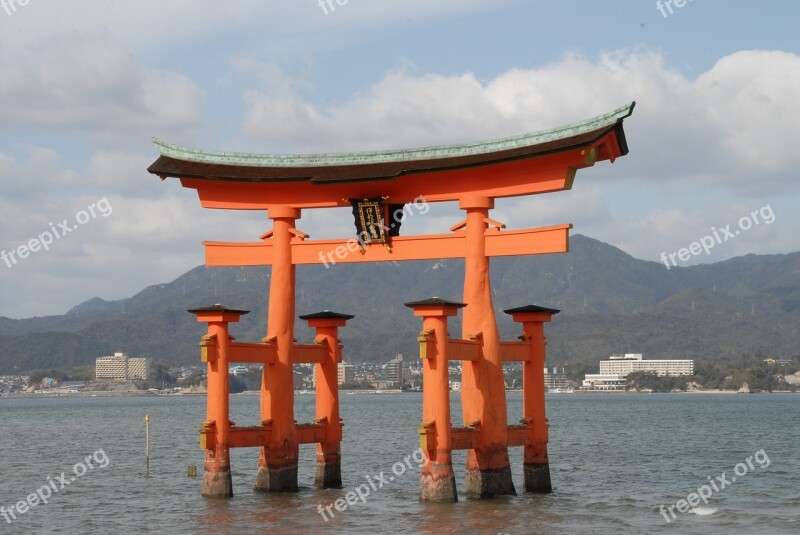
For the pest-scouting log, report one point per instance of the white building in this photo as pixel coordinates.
(238, 370)
(138, 368)
(113, 367)
(633, 362)
(120, 366)
(394, 371)
(600, 381)
(555, 379)
(347, 373)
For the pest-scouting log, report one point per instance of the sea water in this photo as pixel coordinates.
(617, 461)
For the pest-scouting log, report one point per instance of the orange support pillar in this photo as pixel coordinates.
(329, 468)
(217, 481)
(536, 463)
(277, 466)
(437, 483)
(483, 393)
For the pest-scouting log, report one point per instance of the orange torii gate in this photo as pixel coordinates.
(377, 185)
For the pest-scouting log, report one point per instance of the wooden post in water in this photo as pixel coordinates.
(536, 461)
(147, 443)
(483, 393)
(215, 433)
(437, 481)
(327, 324)
(277, 464)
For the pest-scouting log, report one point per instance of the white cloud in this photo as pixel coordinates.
(753, 102)
(92, 86)
(29, 174)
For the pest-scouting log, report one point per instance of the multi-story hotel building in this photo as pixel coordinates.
(347, 373)
(394, 371)
(555, 378)
(633, 362)
(120, 366)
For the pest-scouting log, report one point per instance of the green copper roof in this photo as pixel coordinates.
(387, 156)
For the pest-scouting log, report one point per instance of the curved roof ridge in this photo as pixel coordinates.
(395, 155)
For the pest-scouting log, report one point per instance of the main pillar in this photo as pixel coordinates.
(217, 482)
(277, 465)
(536, 463)
(437, 482)
(329, 468)
(483, 393)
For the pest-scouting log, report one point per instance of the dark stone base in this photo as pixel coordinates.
(537, 478)
(276, 480)
(438, 489)
(490, 483)
(217, 482)
(329, 475)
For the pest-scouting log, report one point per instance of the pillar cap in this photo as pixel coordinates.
(217, 308)
(435, 302)
(476, 201)
(282, 211)
(531, 309)
(327, 315)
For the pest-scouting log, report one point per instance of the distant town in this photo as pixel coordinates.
(119, 374)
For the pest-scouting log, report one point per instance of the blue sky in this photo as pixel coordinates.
(85, 85)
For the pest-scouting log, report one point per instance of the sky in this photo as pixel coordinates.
(85, 85)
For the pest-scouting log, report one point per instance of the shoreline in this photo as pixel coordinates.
(254, 393)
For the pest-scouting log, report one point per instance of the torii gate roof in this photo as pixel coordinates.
(596, 139)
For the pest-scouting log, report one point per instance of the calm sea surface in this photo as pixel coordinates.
(615, 459)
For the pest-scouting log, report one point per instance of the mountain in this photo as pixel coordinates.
(610, 302)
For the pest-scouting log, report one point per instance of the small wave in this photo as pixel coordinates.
(704, 511)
